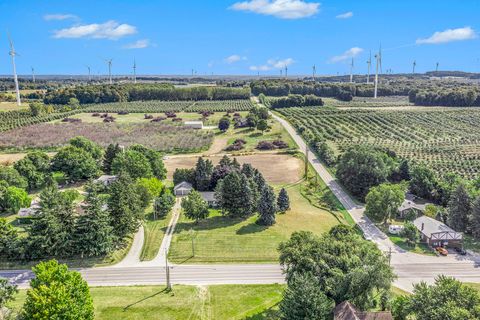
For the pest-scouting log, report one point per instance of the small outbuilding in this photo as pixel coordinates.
(106, 180)
(30, 211)
(412, 204)
(438, 234)
(183, 188)
(194, 124)
(346, 311)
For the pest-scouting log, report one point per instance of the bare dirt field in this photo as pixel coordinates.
(276, 168)
(9, 158)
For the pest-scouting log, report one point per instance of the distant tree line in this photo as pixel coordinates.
(339, 90)
(296, 100)
(455, 97)
(141, 92)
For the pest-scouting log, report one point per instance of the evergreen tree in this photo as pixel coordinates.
(248, 170)
(267, 207)
(52, 229)
(283, 201)
(93, 233)
(475, 220)
(203, 174)
(110, 154)
(459, 209)
(303, 299)
(124, 205)
(234, 195)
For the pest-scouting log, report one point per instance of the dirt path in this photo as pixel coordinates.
(133, 256)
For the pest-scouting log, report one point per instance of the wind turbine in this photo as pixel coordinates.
(378, 58)
(134, 71)
(286, 71)
(109, 70)
(436, 68)
(89, 74)
(351, 72)
(414, 65)
(33, 74)
(13, 53)
(314, 71)
(369, 64)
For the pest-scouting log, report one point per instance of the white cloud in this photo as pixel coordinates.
(449, 35)
(273, 64)
(350, 53)
(284, 9)
(139, 44)
(234, 58)
(345, 15)
(59, 16)
(109, 30)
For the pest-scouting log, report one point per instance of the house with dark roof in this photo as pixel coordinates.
(346, 311)
(412, 203)
(438, 234)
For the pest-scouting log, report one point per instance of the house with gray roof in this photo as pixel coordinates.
(438, 234)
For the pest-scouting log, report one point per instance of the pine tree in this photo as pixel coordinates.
(203, 174)
(124, 205)
(110, 154)
(459, 209)
(267, 207)
(163, 205)
(234, 195)
(283, 201)
(93, 233)
(475, 220)
(248, 170)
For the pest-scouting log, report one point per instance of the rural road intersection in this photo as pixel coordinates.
(411, 268)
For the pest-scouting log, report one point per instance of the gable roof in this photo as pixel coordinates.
(346, 311)
(183, 185)
(431, 226)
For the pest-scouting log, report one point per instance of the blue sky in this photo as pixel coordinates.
(238, 37)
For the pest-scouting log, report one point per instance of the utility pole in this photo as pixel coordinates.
(167, 272)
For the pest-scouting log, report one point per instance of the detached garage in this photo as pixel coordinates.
(182, 189)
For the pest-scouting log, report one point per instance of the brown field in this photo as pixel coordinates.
(276, 168)
(158, 136)
(9, 158)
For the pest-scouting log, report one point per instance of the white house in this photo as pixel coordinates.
(183, 188)
(194, 124)
(106, 180)
(209, 197)
(30, 211)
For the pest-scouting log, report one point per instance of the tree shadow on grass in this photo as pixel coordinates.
(270, 314)
(208, 224)
(251, 228)
(255, 134)
(146, 298)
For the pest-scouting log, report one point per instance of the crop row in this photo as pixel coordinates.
(447, 140)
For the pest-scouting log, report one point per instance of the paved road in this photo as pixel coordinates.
(410, 268)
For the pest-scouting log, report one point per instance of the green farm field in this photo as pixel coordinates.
(446, 139)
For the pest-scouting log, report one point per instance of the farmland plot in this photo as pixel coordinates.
(158, 136)
(447, 140)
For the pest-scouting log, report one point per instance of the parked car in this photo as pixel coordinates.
(461, 251)
(442, 251)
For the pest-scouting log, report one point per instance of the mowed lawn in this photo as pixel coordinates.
(221, 239)
(183, 302)
(154, 232)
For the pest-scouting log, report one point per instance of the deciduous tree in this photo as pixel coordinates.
(383, 201)
(194, 207)
(57, 293)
